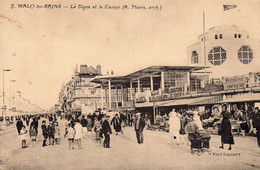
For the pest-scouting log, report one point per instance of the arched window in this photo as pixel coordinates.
(217, 56)
(194, 57)
(245, 54)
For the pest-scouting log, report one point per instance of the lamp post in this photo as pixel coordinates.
(18, 107)
(4, 107)
(10, 93)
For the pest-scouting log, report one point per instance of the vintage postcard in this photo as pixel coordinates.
(129, 84)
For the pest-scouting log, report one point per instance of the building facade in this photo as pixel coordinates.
(232, 59)
(228, 50)
(79, 94)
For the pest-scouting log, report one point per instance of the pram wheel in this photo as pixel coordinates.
(209, 152)
(198, 153)
(192, 151)
(202, 150)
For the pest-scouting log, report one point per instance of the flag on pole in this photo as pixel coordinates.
(228, 7)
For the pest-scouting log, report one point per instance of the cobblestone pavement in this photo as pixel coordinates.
(125, 153)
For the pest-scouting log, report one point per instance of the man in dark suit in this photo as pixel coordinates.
(256, 124)
(44, 133)
(19, 125)
(139, 127)
(106, 130)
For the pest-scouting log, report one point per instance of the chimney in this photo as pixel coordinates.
(107, 73)
(76, 70)
(98, 68)
(112, 72)
(83, 68)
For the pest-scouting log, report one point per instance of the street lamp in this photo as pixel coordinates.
(10, 93)
(18, 106)
(4, 107)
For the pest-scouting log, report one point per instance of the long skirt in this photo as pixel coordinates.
(117, 128)
(32, 132)
(227, 138)
(89, 128)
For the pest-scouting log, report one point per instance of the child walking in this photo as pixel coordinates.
(97, 129)
(70, 134)
(23, 133)
(57, 133)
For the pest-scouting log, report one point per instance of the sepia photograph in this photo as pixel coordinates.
(129, 84)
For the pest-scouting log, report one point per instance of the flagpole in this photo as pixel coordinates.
(204, 46)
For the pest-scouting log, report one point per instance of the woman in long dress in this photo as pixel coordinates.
(116, 124)
(89, 125)
(226, 135)
(197, 120)
(182, 128)
(175, 125)
(78, 133)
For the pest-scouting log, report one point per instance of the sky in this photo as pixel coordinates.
(43, 46)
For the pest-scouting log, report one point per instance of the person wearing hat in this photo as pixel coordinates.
(19, 125)
(225, 126)
(256, 124)
(84, 124)
(192, 129)
(175, 127)
(116, 121)
(139, 127)
(106, 130)
(78, 133)
(44, 133)
(197, 120)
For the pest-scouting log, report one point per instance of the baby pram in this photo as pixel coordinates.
(200, 143)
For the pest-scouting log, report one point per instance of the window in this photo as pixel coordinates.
(92, 91)
(220, 36)
(235, 35)
(195, 83)
(174, 79)
(239, 36)
(194, 57)
(217, 56)
(245, 54)
(216, 36)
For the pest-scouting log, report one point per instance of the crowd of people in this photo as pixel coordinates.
(77, 127)
(191, 122)
(183, 125)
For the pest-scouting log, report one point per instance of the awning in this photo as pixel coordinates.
(150, 104)
(193, 101)
(181, 102)
(209, 100)
(146, 104)
(249, 97)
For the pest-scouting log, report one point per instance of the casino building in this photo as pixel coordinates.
(229, 51)
(232, 59)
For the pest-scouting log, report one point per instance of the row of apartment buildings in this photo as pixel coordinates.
(79, 93)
